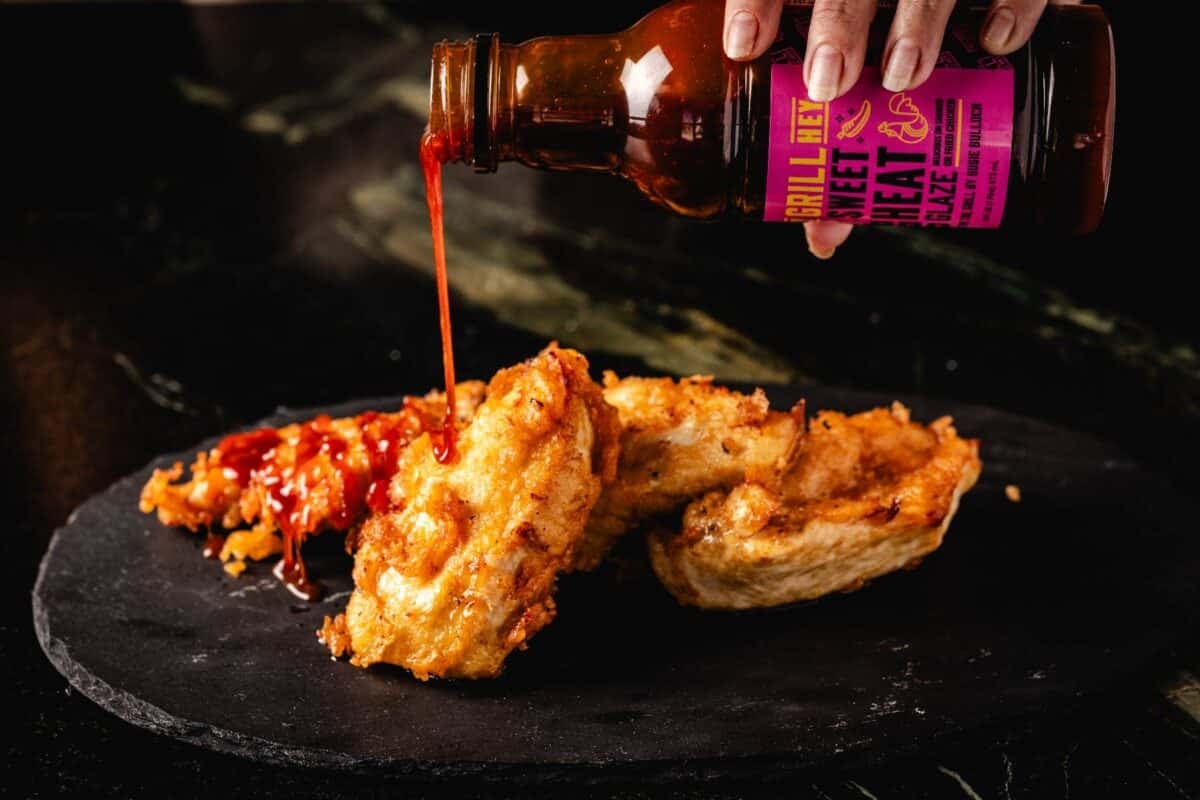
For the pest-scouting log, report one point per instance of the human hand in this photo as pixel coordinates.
(837, 44)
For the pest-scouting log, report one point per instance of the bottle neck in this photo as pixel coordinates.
(491, 102)
(463, 95)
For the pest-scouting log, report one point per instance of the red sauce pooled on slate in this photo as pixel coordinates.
(434, 152)
(289, 487)
(288, 493)
(247, 454)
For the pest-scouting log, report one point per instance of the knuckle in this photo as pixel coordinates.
(920, 12)
(922, 20)
(837, 14)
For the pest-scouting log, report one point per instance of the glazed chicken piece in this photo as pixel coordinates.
(867, 495)
(462, 570)
(298, 479)
(680, 439)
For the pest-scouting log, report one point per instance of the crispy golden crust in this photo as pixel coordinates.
(868, 494)
(463, 569)
(208, 498)
(680, 439)
(219, 494)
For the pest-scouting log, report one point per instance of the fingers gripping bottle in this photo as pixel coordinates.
(1025, 138)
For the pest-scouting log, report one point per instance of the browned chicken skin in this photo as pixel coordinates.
(680, 439)
(463, 569)
(867, 495)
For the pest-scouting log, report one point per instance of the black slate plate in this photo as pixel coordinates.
(1024, 604)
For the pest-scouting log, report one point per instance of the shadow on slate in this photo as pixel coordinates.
(1024, 606)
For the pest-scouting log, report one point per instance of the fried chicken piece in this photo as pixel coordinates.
(680, 439)
(299, 479)
(463, 569)
(867, 495)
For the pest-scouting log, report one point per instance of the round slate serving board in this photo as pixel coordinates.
(1083, 580)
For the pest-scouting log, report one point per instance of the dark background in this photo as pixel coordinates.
(209, 212)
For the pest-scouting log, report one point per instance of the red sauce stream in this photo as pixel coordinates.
(288, 488)
(433, 154)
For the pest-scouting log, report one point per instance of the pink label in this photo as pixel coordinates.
(937, 155)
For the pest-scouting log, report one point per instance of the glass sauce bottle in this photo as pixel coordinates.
(1025, 138)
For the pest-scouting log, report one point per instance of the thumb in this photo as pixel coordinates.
(750, 27)
(825, 236)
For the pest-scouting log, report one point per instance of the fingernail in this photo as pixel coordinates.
(825, 74)
(901, 66)
(999, 28)
(740, 35)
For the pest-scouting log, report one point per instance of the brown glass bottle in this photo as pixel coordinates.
(660, 105)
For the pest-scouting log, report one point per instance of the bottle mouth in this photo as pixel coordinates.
(486, 52)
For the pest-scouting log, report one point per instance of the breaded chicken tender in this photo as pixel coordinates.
(868, 494)
(680, 439)
(462, 570)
